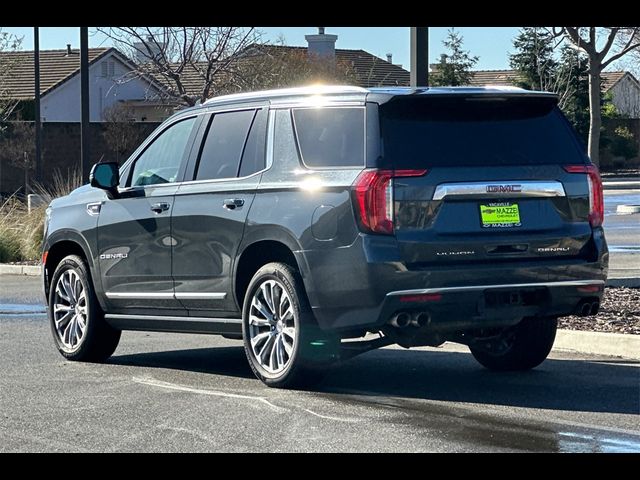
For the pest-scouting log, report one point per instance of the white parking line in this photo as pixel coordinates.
(172, 386)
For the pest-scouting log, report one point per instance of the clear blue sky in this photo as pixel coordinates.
(491, 44)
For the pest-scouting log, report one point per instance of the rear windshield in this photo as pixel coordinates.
(438, 132)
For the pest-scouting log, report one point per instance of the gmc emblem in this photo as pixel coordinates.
(504, 188)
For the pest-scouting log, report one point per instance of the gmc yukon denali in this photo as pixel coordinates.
(318, 223)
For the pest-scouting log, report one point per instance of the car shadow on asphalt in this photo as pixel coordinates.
(557, 384)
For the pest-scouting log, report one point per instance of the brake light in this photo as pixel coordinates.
(373, 192)
(596, 198)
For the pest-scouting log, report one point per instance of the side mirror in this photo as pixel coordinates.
(106, 176)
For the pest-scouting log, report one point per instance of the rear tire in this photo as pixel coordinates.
(282, 341)
(530, 342)
(77, 321)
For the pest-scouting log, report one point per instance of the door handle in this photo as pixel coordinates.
(160, 207)
(233, 203)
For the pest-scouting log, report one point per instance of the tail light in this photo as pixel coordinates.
(596, 198)
(373, 192)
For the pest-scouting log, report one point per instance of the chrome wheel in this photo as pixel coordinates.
(70, 310)
(272, 326)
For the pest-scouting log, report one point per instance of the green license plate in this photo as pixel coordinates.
(500, 215)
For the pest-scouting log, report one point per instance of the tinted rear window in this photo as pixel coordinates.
(472, 132)
(330, 137)
(223, 146)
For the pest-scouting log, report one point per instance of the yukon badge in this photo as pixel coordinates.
(505, 188)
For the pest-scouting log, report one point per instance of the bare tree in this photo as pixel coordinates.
(603, 46)
(8, 43)
(189, 61)
(118, 132)
(266, 66)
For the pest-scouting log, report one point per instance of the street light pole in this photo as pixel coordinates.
(85, 160)
(37, 124)
(419, 57)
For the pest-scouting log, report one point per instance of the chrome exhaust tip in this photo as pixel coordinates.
(421, 319)
(400, 320)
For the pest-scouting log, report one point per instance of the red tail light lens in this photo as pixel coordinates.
(596, 197)
(373, 192)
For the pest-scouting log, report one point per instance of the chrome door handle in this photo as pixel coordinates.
(160, 207)
(233, 203)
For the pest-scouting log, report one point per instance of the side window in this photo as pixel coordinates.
(253, 158)
(160, 162)
(330, 137)
(220, 157)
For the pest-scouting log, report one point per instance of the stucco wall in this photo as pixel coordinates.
(63, 103)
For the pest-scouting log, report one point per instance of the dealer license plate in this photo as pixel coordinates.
(500, 215)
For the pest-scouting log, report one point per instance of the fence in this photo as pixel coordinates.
(61, 149)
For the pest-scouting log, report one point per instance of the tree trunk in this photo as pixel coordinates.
(595, 113)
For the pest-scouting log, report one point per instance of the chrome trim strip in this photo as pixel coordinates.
(200, 296)
(424, 291)
(117, 316)
(139, 295)
(528, 188)
(163, 295)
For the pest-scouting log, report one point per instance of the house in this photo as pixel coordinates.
(109, 85)
(623, 87)
(369, 70)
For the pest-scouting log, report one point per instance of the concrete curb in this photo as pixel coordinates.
(33, 270)
(629, 282)
(599, 343)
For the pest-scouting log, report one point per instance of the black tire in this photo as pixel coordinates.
(530, 343)
(312, 352)
(99, 340)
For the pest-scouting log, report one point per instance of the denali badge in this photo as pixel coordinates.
(113, 256)
(513, 188)
(553, 249)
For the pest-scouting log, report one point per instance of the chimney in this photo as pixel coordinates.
(322, 45)
(142, 49)
(69, 52)
(390, 57)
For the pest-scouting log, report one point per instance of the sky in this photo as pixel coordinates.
(491, 44)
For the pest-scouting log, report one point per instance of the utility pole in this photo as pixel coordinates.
(419, 57)
(38, 125)
(84, 103)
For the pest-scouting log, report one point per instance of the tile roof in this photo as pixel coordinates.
(370, 71)
(56, 67)
(510, 77)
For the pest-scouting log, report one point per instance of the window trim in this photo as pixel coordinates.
(183, 163)
(299, 148)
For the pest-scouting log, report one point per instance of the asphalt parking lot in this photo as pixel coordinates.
(168, 392)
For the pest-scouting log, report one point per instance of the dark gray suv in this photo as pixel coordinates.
(319, 223)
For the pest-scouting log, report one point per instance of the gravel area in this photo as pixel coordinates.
(619, 313)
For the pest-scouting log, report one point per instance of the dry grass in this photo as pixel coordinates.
(21, 230)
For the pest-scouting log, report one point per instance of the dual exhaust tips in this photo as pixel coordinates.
(588, 308)
(405, 319)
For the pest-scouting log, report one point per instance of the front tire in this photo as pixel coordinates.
(77, 321)
(282, 341)
(528, 345)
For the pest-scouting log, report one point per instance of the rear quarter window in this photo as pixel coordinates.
(330, 137)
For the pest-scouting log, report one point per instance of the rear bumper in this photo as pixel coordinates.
(362, 286)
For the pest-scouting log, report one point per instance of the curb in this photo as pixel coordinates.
(629, 282)
(599, 343)
(31, 270)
